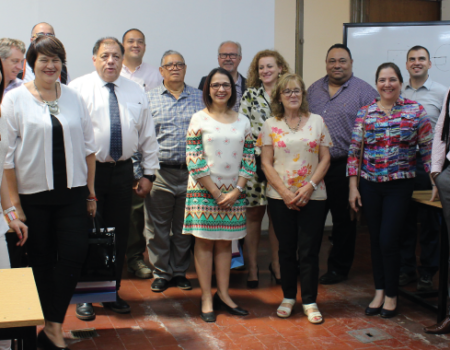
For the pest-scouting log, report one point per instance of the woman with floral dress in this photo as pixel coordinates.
(267, 66)
(295, 158)
(220, 160)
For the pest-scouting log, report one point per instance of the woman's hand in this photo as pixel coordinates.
(20, 213)
(226, 200)
(91, 208)
(289, 199)
(303, 194)
(354, 198)
(434, 194)
(21, 231)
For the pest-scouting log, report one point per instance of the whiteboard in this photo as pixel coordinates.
(195, 28)
(372, 44)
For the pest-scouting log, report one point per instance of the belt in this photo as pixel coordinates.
(180, 166)
(113, 164)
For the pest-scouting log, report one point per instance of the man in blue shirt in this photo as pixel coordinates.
(171, 105)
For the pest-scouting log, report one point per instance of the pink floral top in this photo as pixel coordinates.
(295, 155)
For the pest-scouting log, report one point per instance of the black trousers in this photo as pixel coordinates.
(113, 186)
(57, 247)
(385, 207)
(344, 230)
(301, 230)
(429, 231)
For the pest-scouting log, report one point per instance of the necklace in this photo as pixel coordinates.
(52, 105)
(294, 130)
(385, 108)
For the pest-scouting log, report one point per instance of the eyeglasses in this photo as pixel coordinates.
(217, 86)
(232, 56)
(44, 34)
(173, 66)
(289, 92)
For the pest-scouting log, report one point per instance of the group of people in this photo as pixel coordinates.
(162, 162)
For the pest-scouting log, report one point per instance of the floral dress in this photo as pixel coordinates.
(255, 105)
(224, 152)
(295, 155)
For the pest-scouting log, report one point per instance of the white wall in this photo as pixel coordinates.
(195, 28)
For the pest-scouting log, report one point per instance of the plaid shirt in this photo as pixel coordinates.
(339, 111)
(171, 118)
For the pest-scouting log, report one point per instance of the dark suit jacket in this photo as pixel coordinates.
(244, 83)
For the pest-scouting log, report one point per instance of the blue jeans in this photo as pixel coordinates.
(385, 206)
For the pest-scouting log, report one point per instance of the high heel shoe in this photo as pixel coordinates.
(218, 303)
(388, 313)
(45, 343)
(277, 280)
(207, 316)
(373, 311)
(253, 284)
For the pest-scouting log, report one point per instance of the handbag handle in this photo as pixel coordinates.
(361, 151)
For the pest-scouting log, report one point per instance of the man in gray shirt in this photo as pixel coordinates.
(431, 95)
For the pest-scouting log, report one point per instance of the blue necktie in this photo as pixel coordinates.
(115, 146)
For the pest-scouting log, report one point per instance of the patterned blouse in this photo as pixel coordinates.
(390, 142)
(295, 155)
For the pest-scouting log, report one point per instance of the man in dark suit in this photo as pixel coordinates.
(229, 57)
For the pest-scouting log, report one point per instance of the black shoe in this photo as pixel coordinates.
(373, 311)
(120, 306)
(332, 277)
(253, 284)
(218, 303)
(425, 283)
(44, 342)
(160, 285)
(406, 278)
(182, 283)
(85, 311)
(207, 316)
(277, 280)
(388, 313)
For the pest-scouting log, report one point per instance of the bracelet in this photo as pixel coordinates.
(313, 185)
(220, 195)
(433, 185)
(10, 209)
(240, 188)
(92, 199)
(12, 215)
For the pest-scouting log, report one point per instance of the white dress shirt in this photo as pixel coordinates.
(147, 76)
(30, 140)
(138, 129)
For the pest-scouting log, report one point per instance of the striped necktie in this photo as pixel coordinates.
(115, 146)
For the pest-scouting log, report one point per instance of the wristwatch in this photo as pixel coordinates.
(240, 188)
(313, 185)
(151, 178)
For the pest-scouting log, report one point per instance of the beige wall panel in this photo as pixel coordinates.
(322, 27)
(285, 26)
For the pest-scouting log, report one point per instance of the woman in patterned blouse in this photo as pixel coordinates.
(263, 74)
(295, 157)
(394, 127)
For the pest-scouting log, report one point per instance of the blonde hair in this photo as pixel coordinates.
(253, 72)
(6, 44)
(276, 105)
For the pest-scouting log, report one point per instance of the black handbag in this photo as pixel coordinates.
(100, 263)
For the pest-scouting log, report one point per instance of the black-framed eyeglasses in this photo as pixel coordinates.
(44, 34)
(232, 56)
(173, 66)
(216, 86)
(289, 92)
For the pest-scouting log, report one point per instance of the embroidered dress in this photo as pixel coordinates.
(224, 152)
(255, 105)
(295, 155)
(390, 142)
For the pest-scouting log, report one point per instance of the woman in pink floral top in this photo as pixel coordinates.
(394, 127)
(295, 158)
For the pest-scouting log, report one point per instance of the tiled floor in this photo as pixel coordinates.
(170, 320)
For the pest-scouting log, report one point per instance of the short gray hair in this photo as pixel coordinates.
(6, 44)
(171, 52)
(231, 42)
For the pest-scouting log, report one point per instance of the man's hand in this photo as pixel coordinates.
(144, 187)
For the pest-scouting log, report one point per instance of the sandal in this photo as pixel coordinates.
(314, 314)
(285, 309)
